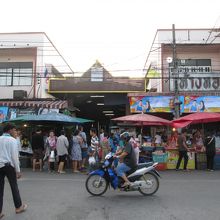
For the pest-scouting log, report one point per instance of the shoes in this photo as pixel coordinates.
(61, 172)
(126, 184)
(76, 171)
(21, 209)
(1, 215)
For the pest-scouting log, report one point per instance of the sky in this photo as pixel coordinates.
(118, 33)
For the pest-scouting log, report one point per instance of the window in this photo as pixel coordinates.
(16, 74)
(96, 74)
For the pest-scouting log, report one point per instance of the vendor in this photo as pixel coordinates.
(158, 139)
(172, 142)
(198, 143)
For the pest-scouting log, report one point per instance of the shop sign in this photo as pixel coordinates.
(197, 82)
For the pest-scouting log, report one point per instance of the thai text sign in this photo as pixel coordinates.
(197, 82)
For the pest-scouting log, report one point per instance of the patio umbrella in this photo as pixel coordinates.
(143, 119)
(196, 118)
(52, 117)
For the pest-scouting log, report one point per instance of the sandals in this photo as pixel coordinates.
(21, 209)
(1, 215)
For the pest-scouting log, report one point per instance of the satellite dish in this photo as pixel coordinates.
(169, 59)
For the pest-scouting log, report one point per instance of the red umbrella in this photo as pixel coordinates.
(143, 119)
(195, 118)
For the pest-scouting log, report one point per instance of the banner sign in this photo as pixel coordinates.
(3, 113)
(151, 104)
(166, 104)
(201, 104)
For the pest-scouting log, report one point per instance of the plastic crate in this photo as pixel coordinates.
(201, 165)
(161, 166)
(201, 157)
(160, 158)
(150, 149)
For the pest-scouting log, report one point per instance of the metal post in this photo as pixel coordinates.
(175, 76)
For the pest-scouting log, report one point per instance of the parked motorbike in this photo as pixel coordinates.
(143, 179)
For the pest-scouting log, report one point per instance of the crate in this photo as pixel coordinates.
(201, 165)
(160, 158)
(25, 162)
(201, 157)
(150, 149)
(161, 166)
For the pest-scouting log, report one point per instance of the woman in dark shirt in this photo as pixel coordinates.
(210, 151)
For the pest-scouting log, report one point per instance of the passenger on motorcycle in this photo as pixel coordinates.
(127, 159)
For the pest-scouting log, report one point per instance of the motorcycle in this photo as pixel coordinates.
(144, 178)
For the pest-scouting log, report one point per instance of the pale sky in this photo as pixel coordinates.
(118, 33)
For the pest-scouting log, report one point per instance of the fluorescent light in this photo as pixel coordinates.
(89, 101)
(100, 104)
(109, 114)
(97, 96)
(107, 111)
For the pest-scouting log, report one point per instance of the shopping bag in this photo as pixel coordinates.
(92, 160)
(52, 156)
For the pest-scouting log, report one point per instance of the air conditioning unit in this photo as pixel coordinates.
(19, 94)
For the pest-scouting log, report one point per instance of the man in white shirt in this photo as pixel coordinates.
(9, 166)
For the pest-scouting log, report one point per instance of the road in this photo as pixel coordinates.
(182, 195)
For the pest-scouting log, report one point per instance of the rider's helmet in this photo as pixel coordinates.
(125, 136)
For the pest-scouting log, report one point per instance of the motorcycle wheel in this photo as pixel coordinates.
(153, 183)
(96, 185)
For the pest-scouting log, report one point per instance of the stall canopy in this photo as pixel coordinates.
(196, 118)
(143, 119)
(52, 117)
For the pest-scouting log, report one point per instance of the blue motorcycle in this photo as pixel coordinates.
(143, 179)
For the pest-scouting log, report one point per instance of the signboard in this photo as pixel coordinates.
(151, 104)
(197, 82)
(173, 156)
(147, 104)
(3, 113)
(200, 104)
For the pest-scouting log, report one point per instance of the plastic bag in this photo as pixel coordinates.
(92, 160)
(52, 156)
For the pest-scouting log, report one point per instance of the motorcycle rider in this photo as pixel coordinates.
(127, 159)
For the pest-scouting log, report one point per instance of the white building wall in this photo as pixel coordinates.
(18, 47)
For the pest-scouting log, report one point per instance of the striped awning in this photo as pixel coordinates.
(59, 104)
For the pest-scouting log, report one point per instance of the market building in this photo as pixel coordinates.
(97, 94)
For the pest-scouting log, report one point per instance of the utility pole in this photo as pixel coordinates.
(175, 77)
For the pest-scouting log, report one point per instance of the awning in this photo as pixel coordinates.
(59, 104)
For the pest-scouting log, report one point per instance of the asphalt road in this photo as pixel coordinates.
(182, 195)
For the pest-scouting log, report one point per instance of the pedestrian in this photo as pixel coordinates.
(38, 149)
(102, 134)
(210, 151)
(105, 146)
(76, 151)
(183, 149)
(62, 150)
(84, 147)
(51, 151)
(9, 167)
(93, 149)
